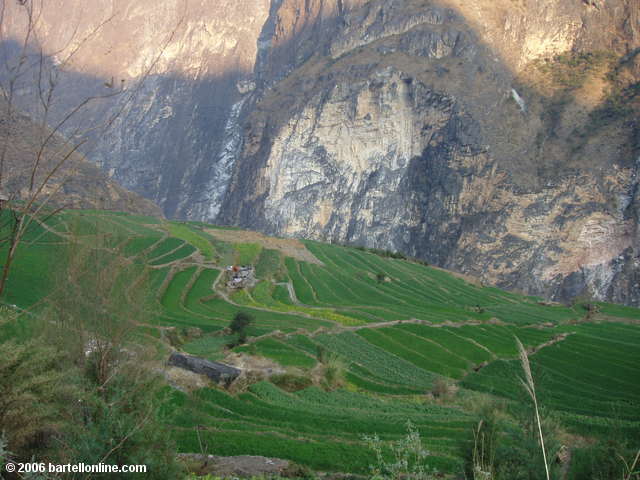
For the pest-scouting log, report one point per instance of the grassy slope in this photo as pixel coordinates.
(395, 337)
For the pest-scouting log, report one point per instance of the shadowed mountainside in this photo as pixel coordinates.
(76, 184)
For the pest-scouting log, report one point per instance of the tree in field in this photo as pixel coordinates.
(239, 325)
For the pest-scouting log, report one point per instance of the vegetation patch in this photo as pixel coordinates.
(247, 253)
(198, 239)
(369, 342)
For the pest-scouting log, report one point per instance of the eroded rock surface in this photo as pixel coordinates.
(488, 138)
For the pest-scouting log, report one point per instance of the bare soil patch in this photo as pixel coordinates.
(291, 247)
(244, 466)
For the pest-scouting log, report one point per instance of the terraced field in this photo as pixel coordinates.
(313, 427)
(395, 326)
(590, 379)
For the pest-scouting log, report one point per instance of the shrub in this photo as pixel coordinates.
(240, 322)
(291, 382)
(5, 454)
(334, 370)
(501, 449)
(442, 389)
(604, 460)
(36, 394)
(238, 326)
(240, 338)
(321, 353)
(409, 458)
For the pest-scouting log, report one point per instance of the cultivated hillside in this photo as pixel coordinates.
(348, 342)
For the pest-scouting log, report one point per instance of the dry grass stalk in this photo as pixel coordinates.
(631, 470)
(529, 386)
(482, 469)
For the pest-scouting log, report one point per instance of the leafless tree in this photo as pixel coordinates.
(50, 151)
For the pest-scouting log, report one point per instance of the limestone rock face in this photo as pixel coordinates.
(480, 136)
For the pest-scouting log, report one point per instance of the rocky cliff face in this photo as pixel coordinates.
(184, 66)
(497, 139)
(68, 179)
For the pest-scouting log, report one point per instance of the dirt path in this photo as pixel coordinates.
(391, 323)
(557, 339)
(227, 298)
(530, 350)
(342, 328)
(51, 230)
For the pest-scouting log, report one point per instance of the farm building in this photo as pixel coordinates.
(239, 276)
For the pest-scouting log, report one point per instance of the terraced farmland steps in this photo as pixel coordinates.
(393, 339)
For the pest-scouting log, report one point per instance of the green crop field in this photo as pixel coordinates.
(394, 330)
(196, 238)
(247, 253)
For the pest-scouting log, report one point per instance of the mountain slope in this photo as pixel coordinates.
(495, 138)
(182, 63)
(398, 328)
(74, 182)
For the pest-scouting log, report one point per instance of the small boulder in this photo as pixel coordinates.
(218, 372)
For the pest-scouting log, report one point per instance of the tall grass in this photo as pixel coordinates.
(631, 471)
(482, 455)
(529, 386)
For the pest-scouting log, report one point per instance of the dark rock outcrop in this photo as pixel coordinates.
(218, 372)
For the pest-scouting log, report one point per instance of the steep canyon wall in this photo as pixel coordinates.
(499, 139)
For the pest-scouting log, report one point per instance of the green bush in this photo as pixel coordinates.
(602, 461)
(505, 445)
(408, 458)
(291, 382)
(334, 371)
(240, 322)
(37, 392)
